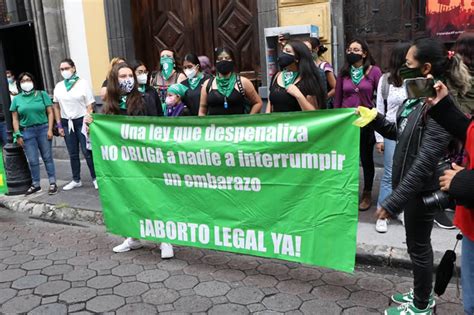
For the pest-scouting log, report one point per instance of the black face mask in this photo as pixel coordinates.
(353, 58)
(225, 67)
(284, 60)
(410, 73)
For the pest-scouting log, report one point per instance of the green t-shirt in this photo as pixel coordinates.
(31, 108)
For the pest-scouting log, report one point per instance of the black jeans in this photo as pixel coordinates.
(418, 226)
(367, 142)
(74, 140)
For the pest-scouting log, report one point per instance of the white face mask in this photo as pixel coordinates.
(66, 74)
(142, 78)
(27, 86)
(190, 73)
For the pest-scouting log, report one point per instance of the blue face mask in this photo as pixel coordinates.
(10, 80)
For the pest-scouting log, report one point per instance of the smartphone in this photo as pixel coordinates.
(420, 88)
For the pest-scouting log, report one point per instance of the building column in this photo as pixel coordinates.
(118, 19)
(267, 17)
(51, 37)
(338, 40)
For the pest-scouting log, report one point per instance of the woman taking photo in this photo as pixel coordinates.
(123, 98)
(420, 155)
(356, 86)
(32, 119)
(73, 99)
(297, 87)
(194, 82)
(390, 96)
(228, 93)
(168, 74)
(141, 73)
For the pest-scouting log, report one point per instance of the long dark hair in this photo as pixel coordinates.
(135, 104)
(453, 69)
(465, 47)
(18, 84)
(316, 43)
(310, 79)
(397, 60)
(368, 60)
(177, 64)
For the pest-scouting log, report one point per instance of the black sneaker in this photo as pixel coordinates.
(442, 220)
(32, 190)
(53, 189)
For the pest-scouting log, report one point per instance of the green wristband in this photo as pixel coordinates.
(16, 135)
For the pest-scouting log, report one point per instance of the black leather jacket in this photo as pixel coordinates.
(421, 144)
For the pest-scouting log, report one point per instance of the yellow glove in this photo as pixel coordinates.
(366, 116)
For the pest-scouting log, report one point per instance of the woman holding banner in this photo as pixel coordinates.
(124, 98)
(297, 87)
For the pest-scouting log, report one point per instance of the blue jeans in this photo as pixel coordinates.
(386, 182)
(74, 139)
(467, 275)
(3, 133)
(36, 141)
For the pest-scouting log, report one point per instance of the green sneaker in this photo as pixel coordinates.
(402, 298)
(408, 309)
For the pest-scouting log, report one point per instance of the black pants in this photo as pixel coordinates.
(418, 226)
(367, 142)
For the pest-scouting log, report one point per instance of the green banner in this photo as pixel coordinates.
(3, 177)
(282, 185)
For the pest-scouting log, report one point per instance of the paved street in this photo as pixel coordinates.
(48, 268)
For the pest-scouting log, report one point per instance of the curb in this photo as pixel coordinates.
(378, 255)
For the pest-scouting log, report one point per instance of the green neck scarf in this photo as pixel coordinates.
(226, 85)
(70, 82)
(194, 82)
(357, 74)
(409, 106)
(289, 77)
(123, 102)
(167, 67)
(142, 88)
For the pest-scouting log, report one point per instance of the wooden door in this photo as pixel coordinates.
(197, 26)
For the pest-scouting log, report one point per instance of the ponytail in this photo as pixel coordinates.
(457, 75)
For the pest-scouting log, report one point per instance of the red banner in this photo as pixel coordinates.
(447, 19)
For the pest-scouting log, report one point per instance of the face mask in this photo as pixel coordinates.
(170, 100)
(66, 74)
(142, 78)
(27, 86)
(353, 58)
(190, 73)
(127, 85)
(225, 67)
(410, 73)
(10, 80)
(284, 60)
(167, 66)
(315, 55)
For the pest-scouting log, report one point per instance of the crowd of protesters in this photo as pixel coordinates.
(440, 125)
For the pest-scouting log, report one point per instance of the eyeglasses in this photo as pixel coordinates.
(64, 69)
(142, 72)
(355, 50)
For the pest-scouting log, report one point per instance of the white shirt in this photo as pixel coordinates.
(13, 89)
(73, 103)
(396, 96)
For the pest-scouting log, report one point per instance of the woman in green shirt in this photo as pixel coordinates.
(33, 129)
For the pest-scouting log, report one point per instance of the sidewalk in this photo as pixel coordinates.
(83, 204)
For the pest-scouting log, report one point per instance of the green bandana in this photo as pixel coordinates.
(357, 74)
(177, 89)
(194, 82)
(225, 86)
(123, 102)
(289, 77)
(409, 106)
(167, 66)
(27, 93)
(70, 82)
(141, 88)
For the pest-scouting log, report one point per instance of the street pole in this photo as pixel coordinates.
(16, 165)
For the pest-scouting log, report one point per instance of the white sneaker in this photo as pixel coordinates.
(128, 244)
(166, 250)
(381, 225)
(95, 184)
(72, 185)
(401, 218)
